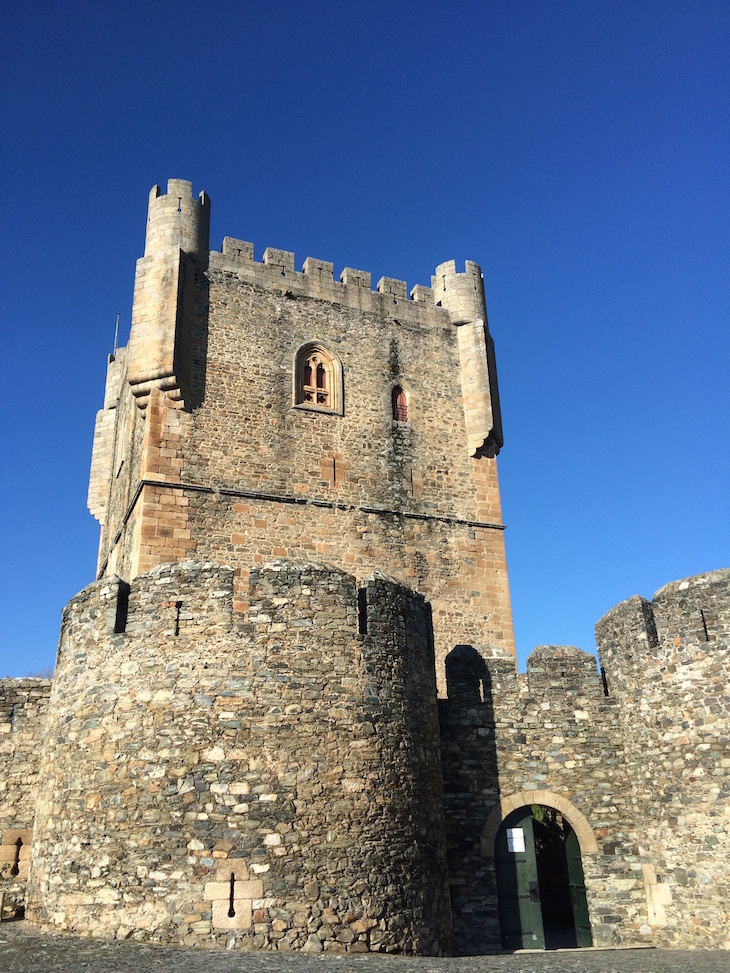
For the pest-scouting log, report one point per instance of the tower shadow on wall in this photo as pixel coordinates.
(471, 791)
(196, 339)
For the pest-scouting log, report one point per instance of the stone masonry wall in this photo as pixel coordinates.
(274, 782)
(547, 736)
(637, 764)
(23, 704)
(668, 667)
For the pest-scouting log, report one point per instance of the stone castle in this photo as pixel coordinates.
(286, 715)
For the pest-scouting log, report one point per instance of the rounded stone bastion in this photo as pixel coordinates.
(267, 781)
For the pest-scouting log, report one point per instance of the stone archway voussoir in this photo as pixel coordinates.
(577, 820)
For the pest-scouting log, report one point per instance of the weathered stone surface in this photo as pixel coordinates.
(667, 664)
(638, 765)
(23, 704)
(330, 729)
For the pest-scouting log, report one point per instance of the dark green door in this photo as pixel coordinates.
(520, 915)
(577, 890)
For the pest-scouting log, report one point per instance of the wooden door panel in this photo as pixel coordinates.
(520, 916)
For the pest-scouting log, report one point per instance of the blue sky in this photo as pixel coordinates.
(578, 151)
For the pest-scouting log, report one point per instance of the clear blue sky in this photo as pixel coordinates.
(577, 150)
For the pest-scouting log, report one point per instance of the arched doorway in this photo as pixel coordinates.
(540, 884)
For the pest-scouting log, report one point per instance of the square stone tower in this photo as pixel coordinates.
(259, 412)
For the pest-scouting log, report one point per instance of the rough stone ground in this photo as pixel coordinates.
(25, 950)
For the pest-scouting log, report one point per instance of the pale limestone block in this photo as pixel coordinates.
(214, 754)
(252, 889)
(389, 285)
(240, 920)
(360, 278)
(283, 259)
(232, 866)
(239, 250)
(318, 268)
(217, 891)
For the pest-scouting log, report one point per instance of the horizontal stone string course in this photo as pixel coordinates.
(288, 499)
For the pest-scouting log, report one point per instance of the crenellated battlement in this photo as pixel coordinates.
(657, 649)
(556, 669)
(171, 296)
(187, 598)
(176, 220)
(316, 280)
(554, 673)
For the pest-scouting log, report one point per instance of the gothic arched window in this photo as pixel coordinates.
(318, 379)
(400, 405)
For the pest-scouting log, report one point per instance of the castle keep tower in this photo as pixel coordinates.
(262, 412)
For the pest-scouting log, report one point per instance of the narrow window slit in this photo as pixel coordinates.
(178, 606)
(15, 870)
(120, 621)
(604, 680)
(179, 204)
(362, 611)
(231, 910)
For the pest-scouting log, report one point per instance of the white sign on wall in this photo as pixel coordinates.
(515, 839)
